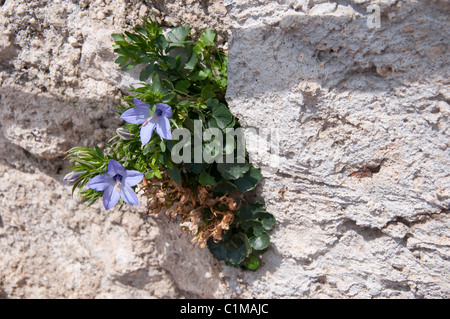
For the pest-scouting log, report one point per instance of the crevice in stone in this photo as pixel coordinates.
(368, 171)
(22, 160)
(368, 233)
(440, 98)
(402, 286)
(422, 218)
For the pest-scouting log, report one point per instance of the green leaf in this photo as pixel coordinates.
(149, 174)
(99, 151)
(260, 242)
(207, 37)
(162, 145)
(201, 75)
(235, 255)
(249, 211)
(198, 48)
(229, 147)
(218, 250)
(196, 168)
(252, 263)
(182, 86)
(224, 187)
(177, 36)
(122, 60)
(168, 97)
(129, 66)
(221, 114)
(238, 250)
(133, 37)
(190, 65)
(148, 148)
(161, 43)
(170, 61)
(267, 220)
(156, 84)
(232, 171)
(249, 181)
(175, 175)
(206, 179)
(257, 228)
(167, 84)
(208, 92)
(146, 72)
(158, 173)
(138, 166)
(141, 30)
(117, 37)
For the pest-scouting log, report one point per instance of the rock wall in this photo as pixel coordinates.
(361, 190)
(59, 88)
(359, 119)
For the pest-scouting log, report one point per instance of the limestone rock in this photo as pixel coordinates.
(359, 118)
(356, 117)
(59, 88)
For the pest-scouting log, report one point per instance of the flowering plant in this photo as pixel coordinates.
(185, 98)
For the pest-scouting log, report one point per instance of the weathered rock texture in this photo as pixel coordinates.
(59, 88)
(345, 101)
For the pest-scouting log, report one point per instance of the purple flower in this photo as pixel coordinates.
(159, 121)
(116, 184)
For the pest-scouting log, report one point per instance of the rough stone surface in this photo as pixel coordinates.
(59, 88)
(344, 100)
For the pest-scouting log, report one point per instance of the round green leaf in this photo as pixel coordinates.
(218, 250)
(196, 168)
(267, 221)
(224, 187)
(250, 211)
(232, 170)
(222, 115)
(177, 36)
(206, 179)
(249, 181)
(252, 263)
(238, 250)
(260, 242)
(175, 175)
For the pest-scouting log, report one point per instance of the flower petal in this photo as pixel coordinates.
(110, 197)
(139, 103)
(128, 195)
(166, 109)
(100, 182)
(133, 178)
(163, 128)
(147, 131)
(114, 168)
(138, 114)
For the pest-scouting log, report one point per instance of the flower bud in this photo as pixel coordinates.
(123, 133)
(72, 177)
(84, 154)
